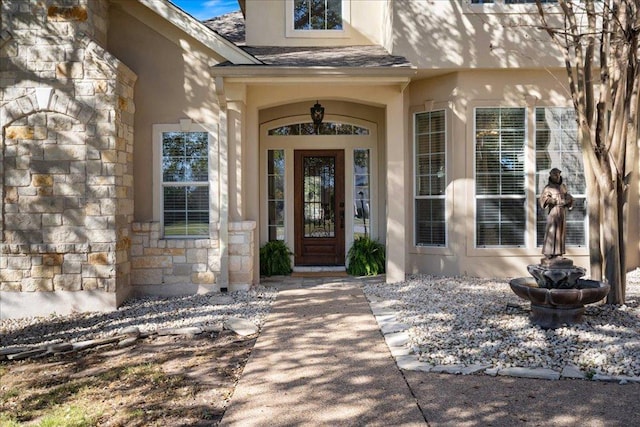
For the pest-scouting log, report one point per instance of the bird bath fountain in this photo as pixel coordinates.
(556, 291)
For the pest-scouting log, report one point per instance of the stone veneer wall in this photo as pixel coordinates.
(241, 247)
(179, 266)
(66, 159)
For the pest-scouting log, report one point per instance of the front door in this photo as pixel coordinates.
(319, 207)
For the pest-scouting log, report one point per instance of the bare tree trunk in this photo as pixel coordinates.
(611, 245)
(595, 220)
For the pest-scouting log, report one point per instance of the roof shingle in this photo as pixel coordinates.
(232, 27)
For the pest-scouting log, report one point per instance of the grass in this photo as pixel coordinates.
(184, 229)
(69, 416)
(157, 382)
(75, 403)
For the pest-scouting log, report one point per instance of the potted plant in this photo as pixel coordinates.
(275, 259)
(366, 257)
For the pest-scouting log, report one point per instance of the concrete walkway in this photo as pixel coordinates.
(321, 360)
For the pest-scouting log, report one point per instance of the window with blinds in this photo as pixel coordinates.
(185, 184)
(557, 146)
(430, 178)
(500, 135)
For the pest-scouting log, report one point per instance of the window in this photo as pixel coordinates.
(185, 184)
(275, 194)
(317, 15)
(361, 193)
(326, 128)
(557, 146)
(317, 18)
(500, 135)
(501, 174)
(430, 178)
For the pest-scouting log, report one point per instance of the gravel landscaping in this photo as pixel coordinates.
(149, 314)
(472, 321)
(451, 321)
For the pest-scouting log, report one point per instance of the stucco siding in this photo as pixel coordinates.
(459, 94)
(450, 34)
(174, 83)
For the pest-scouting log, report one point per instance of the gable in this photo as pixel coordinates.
(173, 16)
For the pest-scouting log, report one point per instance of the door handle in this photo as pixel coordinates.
(341, 218)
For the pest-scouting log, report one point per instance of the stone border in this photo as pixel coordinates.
(397, 337)
(124, 338)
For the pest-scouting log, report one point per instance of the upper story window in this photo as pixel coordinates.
(317, 18)
(317, 15)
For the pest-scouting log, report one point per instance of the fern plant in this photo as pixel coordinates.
(366, 257)
(275, 259)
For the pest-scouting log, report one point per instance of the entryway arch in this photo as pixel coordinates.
(296, 212)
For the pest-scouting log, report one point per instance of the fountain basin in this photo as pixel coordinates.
(552, 308)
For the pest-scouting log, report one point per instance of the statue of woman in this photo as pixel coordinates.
(555, 199)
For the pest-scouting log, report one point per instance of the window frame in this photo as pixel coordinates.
(577, 196)
(444, 196)
(185, 126)
(505, 197)
(530, 248)
(367, 212)
(284, 198)
(292, 32)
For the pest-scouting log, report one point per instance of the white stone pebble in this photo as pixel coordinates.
(148, 314)
(472, 321)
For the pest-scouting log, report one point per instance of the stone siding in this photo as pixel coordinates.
(241, 248)
(66, 157)
(177, 266)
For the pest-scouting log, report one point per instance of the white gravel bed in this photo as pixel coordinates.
(471, 321)
(148, 314)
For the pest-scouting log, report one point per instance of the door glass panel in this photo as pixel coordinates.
(275, 194)
(319, 196)
(361, 197)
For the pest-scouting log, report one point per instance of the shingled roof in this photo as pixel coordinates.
(232, 27)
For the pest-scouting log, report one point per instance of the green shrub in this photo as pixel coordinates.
(275, 259)
(366, 257)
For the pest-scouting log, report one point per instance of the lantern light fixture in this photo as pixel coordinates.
(317, 115)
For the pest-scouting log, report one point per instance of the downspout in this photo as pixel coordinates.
(223, 194)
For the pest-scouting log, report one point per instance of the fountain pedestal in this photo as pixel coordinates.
(552, 308)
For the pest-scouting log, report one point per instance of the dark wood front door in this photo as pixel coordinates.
(319, 207)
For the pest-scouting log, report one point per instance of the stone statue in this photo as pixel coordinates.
(555, 199)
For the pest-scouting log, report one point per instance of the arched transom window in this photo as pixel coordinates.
(328, 128)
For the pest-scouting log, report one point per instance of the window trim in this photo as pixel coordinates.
(444, 197)
(431, 105)
(535, 176)
(527, 182)
(157, 182)
(285, 189)
(291, 32)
